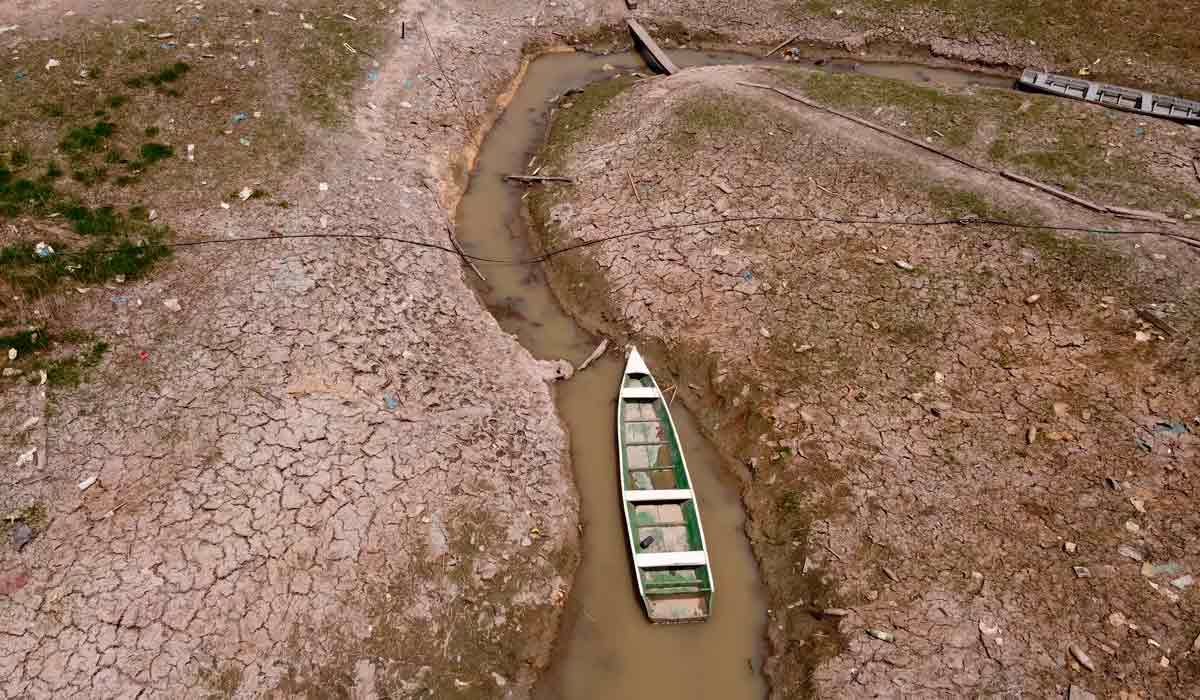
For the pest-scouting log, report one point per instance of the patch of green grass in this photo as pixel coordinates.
(570, 123)
(169, 74)
(925, 109)
(151, 132)
(70, 372)
(706, 114)
(25, 342)
(87, 138)
(24, 196)
(153, 152)
(54, 170)
(53, 110)
(116, 101)
(35, 516)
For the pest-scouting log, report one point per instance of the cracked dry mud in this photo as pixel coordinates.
(332, 472)
(923, 440)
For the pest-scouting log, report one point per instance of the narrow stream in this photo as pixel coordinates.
(607, 648)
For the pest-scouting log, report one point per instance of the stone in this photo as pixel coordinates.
(903, 264)
(1081, 656)
(1132, 527)
(1130, 553)
(1077, 693)
(1116, 619)
(1032, 298)
(21, 535)
(1069, 547)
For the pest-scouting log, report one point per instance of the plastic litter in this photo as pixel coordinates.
(172, 304)
(53, 63)
(882, 635)
(245, 193)
(43, 250)
(373, 74)
(1169, 427)
(244, 141)
(9, 28)
(12, 353)
(390, 401)
(86, 483)
(240, 117)
(323, 187)
(26, 457)
(646, 541)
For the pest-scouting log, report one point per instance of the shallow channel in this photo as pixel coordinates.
(607, 647)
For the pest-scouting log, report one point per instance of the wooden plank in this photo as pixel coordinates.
(1141, 214)
(643, 495)
(670, 559)
(643, 38)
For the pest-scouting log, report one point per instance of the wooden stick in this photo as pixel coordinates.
(1054, 191)
(635, 189)
(600, 349)
(782, 44)
(539, 178)
(1196, 167)
(463, 254)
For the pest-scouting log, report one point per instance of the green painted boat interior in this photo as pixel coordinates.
(653, 461)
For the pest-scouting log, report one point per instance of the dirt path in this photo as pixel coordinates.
(970, 442)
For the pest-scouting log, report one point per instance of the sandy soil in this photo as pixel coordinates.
(972, 441)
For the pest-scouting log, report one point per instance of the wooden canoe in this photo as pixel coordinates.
(662, 517)
(1115, 96)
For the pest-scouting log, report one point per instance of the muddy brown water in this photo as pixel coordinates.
(607, 647)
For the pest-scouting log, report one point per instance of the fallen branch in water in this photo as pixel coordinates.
(539, 178)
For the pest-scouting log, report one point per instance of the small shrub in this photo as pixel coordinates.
(154, 152)
(87, 138)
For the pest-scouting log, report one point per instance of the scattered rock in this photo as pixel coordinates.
(1082, 657)
(1132, 527)
(871, 595)
(1069, 547)
(500, 680)
(1138, 504)
(21, 535)
(1130, 553)
(12, 353)
(1164, 662)
(1116, 619)
(1141, 336)
(1077, 693)
(882, 635)
(172, 305)
(1032, 298)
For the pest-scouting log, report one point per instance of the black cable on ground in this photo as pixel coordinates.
(968, 221)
